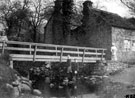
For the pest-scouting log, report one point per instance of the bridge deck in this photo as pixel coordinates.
(25, 51)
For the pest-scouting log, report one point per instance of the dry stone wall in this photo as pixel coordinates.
(124, 40)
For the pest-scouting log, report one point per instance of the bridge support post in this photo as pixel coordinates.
(83, 56)
(11, 64)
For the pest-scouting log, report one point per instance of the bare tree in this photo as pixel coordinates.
(16, 14)
(38, 15)
(130, 4)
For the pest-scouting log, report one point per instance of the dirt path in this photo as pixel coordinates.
(122, 85)
(127, 79)
(127, 76)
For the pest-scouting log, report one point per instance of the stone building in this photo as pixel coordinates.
(100, 29)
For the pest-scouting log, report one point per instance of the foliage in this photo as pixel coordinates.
(6, 75)
(40, 11)
(22, 19)
(15, 15)
(86, 78)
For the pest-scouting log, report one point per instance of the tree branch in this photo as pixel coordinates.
(125, 3)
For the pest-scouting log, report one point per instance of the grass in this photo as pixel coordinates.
(6, 76)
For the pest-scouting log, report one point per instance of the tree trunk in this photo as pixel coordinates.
(35, 35)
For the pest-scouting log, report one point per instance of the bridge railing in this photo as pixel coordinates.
(26, 51)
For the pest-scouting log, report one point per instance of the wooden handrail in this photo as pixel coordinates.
(50, 50)
(53, 51)
(51, 45)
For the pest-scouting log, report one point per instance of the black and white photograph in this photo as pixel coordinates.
(67, 48)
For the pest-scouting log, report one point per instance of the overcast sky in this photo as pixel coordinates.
(114, 6)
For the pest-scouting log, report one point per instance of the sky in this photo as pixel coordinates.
(114, 6)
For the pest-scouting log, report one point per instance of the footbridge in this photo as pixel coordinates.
(26, 51)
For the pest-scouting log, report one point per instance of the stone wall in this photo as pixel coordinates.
(57, 31)
(94, 32)
(124, 41)
(48, 37)
(98, 38)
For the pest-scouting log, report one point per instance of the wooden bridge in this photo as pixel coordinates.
(26, 51)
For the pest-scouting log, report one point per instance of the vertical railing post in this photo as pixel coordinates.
(78, 51)
(96, 53)
(61, 54)
(3, 47)
(30, 49)
(102, 54)
(56, 51)
(83, 55)
(35, 52)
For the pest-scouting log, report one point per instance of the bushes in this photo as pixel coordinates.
(6, 75)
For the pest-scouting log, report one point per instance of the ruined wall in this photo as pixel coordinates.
(53, 31)
(54, 28)
(100, 37)
(58, 30)
(48, 32)
(124, 40)
(94, 31)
